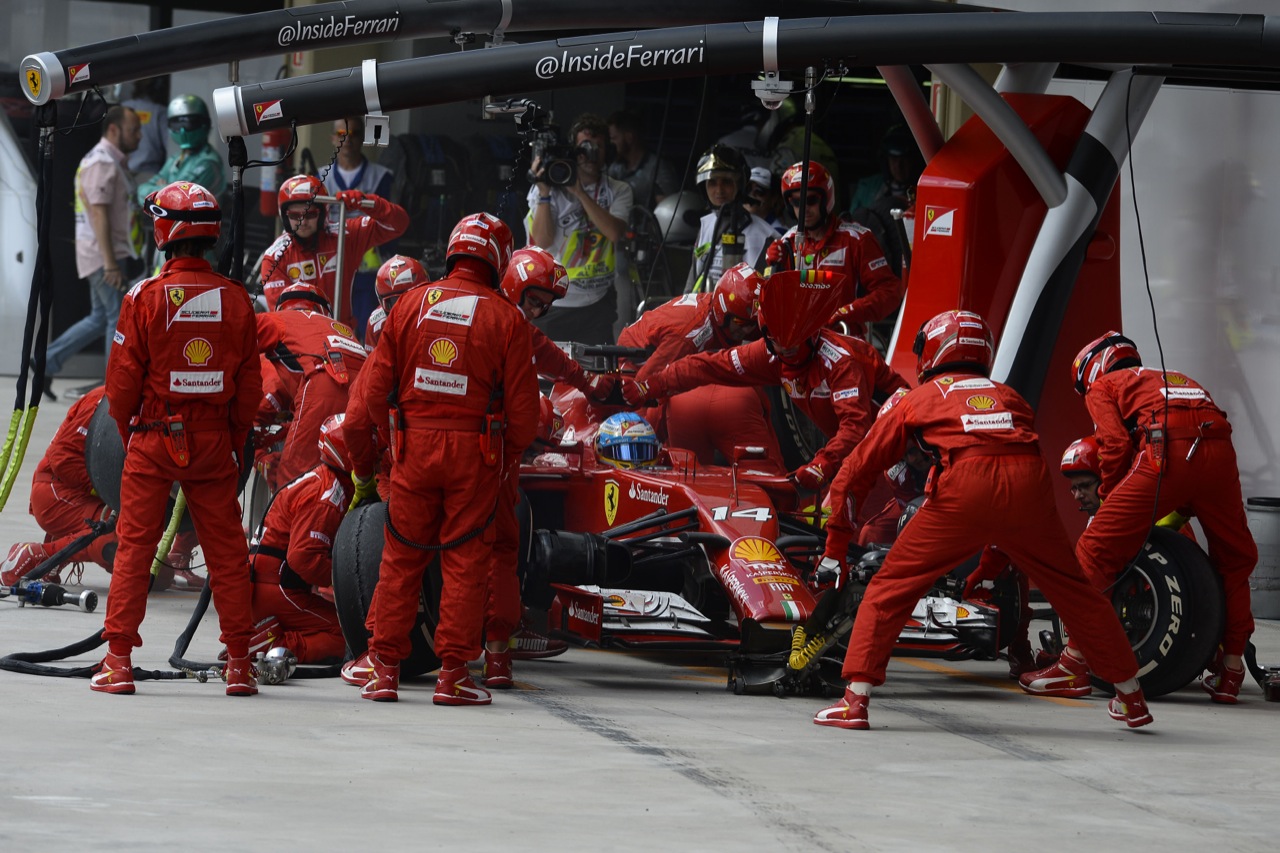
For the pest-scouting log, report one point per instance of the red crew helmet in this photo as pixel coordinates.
(398, 275)
(303, 297)
(183, 211)
(794, 306)
(736, 298)
(819, 182)
(483, 236)
(954, 340)
(333, 443)
(1081, 457)
(1103, 355)
(534, 266)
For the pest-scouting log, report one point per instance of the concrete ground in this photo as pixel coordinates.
(606, 750)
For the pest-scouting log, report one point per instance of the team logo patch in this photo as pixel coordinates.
(433, 295)
(458, 310)
(441, 383)
(195, 381)
(203, 308)
(987, 422)
(1175, 379)
(752, 549)
(177, 296)
(980, 403)
(78, 73)
(268, 110)
(939, 221)
(33, 81)
(343, 329)
(304, 270)
(845, 394)
(611, 493)
(443, 352)
(198, 351)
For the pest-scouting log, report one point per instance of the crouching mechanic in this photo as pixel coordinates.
(1162, 444)
(831, 377)
(454, 367)
(712, 417)
(293, 553)
(184, 384)
(993, 488)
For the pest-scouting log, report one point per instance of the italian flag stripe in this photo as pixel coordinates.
(790, 608)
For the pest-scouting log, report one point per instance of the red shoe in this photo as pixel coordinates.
(267, 635)
(187, 579)
(1131, 708)
(455, 687)
(849, 713)
(528, 644)
(1067, 677)
(114, 675)
(22, 558)
(1222, 683)
(241, 677)
(497, 670)
(384, 681)
(357, 672)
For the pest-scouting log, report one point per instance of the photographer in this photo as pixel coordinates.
(579, 215)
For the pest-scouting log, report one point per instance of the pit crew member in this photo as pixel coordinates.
(455, 368)
(875, 292)
(183, 385)
(317, 358)
(993, 489)
(397, 276)
(306, 253)
(1162, 444)
(712, 417)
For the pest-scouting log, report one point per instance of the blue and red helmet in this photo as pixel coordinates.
(626, 440)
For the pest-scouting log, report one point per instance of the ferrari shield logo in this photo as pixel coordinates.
(611, 493)
(433, 295)
(177, 296)
(33, 81)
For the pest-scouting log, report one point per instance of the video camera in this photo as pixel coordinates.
(558, 160)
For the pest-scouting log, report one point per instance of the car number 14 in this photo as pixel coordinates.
(759, 513)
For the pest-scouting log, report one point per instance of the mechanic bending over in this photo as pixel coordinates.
(183, 384)
(292, 555)
(1080, 466)
(992, 488)
(711, 417)
(454, 367)
(316, 358)
(874, 291)
(1159, 435)
(833, 378)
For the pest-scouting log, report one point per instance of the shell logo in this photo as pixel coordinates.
(615, 601)
(980, 402)
(1175, 379)
(197, 351)
(343, 329)
(433, 295)
(753, 549)
(443, 351)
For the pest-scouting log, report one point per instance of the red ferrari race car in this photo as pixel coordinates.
(678, 555)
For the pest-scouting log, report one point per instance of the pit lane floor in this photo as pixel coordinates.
(606, 750)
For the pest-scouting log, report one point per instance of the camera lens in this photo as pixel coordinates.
(561, 173)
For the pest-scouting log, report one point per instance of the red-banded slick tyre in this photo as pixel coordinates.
(357, 555)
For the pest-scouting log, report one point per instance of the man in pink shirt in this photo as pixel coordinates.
(104, 219)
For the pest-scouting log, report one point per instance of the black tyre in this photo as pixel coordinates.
(798, 437)
(357, 555)
(1171, 605)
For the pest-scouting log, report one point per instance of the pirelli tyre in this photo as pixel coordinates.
(104, 459)
(1171, 605)
(798, 437)
(357, 554)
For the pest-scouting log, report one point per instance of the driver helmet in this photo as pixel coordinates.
(188, 122)
(626, 440)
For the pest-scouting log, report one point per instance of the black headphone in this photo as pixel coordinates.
(1109, 340)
